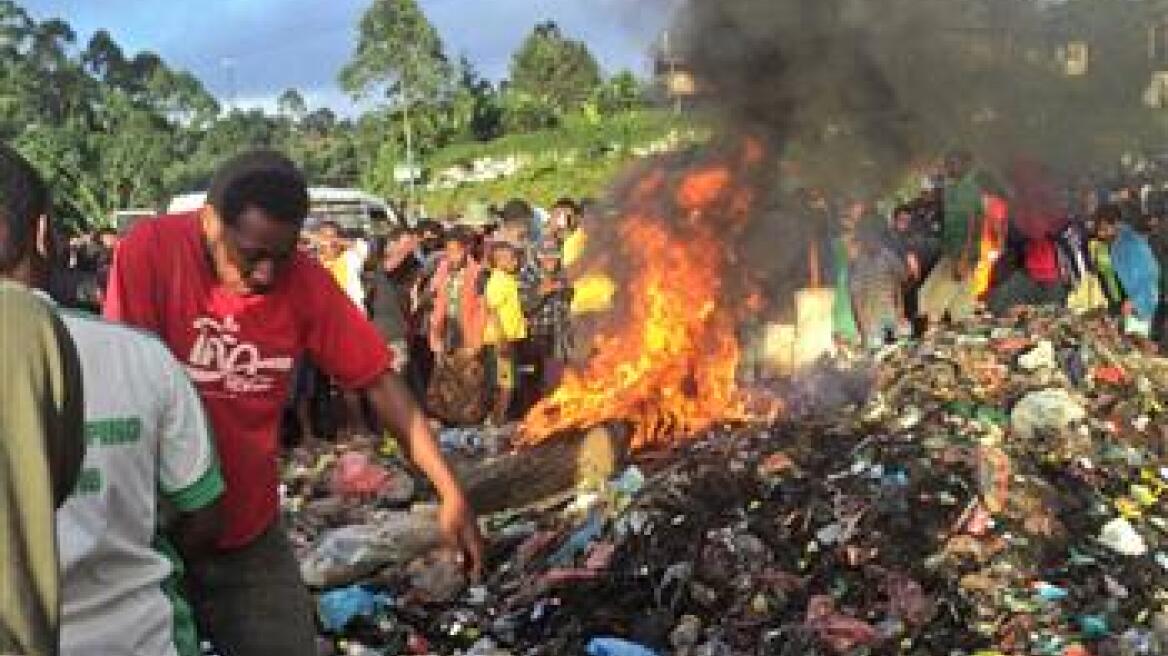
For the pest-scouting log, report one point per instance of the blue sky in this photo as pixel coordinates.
(257, 48)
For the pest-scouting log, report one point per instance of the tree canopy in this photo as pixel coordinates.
(554, 71)
(113, 129)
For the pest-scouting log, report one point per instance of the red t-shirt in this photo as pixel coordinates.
(239, 350)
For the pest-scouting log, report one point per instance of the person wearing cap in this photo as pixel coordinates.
(227, 290)
(505, 327)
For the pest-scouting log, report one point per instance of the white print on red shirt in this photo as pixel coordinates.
(219, 355)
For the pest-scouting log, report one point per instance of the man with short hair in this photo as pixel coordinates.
(41, 419)
(547, 302)
(565, 228)
(147, 436)
(228, 291)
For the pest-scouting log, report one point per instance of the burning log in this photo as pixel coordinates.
(514, 480)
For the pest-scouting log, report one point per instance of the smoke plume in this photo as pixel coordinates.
(857, 91)
(858, 98)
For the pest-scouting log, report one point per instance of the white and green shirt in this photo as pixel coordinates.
(148, 446)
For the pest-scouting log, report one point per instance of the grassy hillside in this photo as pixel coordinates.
(579, 159)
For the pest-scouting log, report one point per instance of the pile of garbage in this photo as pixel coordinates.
(1001, 490)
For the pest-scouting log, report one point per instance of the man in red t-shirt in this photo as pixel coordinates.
(229, 292)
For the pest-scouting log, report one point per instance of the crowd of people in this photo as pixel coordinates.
(966, 244)
(476, 309)
(140, 453)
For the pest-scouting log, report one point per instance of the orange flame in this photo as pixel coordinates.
(669, 368)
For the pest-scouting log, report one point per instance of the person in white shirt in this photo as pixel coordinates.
(150, 474)
(150, 463)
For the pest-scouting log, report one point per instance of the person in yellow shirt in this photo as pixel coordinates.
(343, 260)
(505, 326)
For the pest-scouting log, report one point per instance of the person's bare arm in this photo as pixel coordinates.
(396, 408)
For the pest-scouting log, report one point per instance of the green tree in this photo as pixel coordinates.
(477, 103)
(319, 123)
(104, 59)
(182, 98)
(291, 104)
(400, 51)
(620, 93)
(553, 70)
(16, 28)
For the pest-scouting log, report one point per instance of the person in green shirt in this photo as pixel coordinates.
(41, 425)
(1099, 255)
(948, 291)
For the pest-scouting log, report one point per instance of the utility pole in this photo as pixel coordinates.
(409, 133)
(672, 79)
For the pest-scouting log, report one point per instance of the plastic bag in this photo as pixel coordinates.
(436, 578)
(616, 647)
(1119, 536)
(1040, 357)
(339, 607)
(1045, 410)
(357, 475)
(345, 555)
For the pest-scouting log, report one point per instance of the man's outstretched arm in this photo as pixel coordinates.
(396, 408)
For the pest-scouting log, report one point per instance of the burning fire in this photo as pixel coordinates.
(669, 367)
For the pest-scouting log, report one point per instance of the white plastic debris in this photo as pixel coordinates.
(1121, 537)
(1040, 357)
(1045, 410)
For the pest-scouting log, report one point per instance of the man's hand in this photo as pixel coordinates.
(460, 530)
(396, 408)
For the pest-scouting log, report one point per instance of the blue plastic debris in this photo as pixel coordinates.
(579, 541)
(617, 647)
(1049, 592)
(339, 607)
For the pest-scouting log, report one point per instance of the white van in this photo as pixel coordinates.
(350, 208)
(123, 220)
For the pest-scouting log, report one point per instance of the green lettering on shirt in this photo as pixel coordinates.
(113, 432)
(89, 481)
